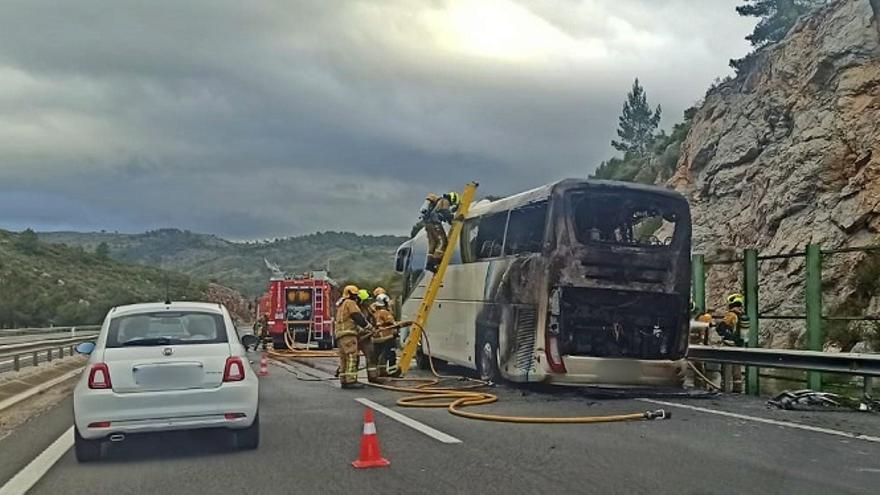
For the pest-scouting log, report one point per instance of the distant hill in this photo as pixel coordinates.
(351, 257)
(43, 284)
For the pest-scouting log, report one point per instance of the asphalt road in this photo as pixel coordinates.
(311, 432)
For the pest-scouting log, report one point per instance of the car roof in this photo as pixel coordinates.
(204, 307)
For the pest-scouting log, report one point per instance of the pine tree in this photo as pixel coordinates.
(777, 17)
(637, 123)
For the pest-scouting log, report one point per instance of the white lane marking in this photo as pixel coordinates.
(37, 468)
(15, 399)
(420, 427)
(774, 422)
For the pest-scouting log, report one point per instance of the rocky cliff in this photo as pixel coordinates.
(788, 153)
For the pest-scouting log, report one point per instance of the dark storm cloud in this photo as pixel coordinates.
(261, 119)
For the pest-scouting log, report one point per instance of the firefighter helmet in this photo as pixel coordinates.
(350, 290)
(363, 294)
(452, 196)
(378, 291)
(382, 300)
(736, 300)
(432, 197)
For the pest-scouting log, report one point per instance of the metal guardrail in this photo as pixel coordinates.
(843, 363)
(14, 332)
(19, 355)
(24, 347)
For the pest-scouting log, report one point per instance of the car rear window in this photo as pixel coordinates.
(166, 328)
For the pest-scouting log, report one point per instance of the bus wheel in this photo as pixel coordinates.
(422, 360)
(487, 356)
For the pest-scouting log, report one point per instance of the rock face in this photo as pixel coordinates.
(788, 153)
(239, 307)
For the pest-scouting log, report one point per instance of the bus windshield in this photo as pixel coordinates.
(634, 219)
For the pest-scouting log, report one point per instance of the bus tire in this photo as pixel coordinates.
(487, 356)
(422, 360)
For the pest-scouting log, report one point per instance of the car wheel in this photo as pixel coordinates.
(86, 450)
(248, 438)
(487, 356)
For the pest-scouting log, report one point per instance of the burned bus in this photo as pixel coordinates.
(575, 282)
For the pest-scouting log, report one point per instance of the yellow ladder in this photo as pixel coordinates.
(415, 335)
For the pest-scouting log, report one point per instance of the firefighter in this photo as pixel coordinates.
(385, 337)
(365, 340)
(731, 329)
(435, 211)
(265, 336)
(389, 304)
(350, 325)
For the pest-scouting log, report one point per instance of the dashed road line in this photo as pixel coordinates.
(787, 424)
(406, 420)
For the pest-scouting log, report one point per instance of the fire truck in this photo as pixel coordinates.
(301, 308)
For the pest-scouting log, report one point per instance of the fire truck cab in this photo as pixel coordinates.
(300, 309)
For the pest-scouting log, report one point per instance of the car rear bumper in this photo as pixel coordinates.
(164, 411)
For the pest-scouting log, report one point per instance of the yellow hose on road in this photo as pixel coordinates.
(455, 399)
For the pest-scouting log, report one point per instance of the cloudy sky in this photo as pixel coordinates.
(264, 119)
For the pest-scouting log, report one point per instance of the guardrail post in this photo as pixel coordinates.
(815, 336)
(36, 359)
(16, 362)
(49, 355)
(867, 386)
(698, 284)
(750, 283)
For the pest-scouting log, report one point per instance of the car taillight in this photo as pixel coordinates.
(100, 424)
(234, 371)
(553, 357)
(234, 416)
(99, 376)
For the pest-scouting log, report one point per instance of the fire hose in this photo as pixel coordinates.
(454, 399)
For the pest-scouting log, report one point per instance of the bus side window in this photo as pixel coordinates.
(525, 233)
(486, 236)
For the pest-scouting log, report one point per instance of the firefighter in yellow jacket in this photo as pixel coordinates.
(365, 341)
(731, 329)
(385, 336)
(350, 325)
(435, 211)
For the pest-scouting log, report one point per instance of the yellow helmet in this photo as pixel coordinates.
(452, 196)
(378, 291)
(736, 300)
(350, 290)
(363, 294)
(432, 197)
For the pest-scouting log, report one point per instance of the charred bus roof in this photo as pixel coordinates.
(544, 193)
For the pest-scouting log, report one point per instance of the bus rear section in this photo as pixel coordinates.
(619, 287)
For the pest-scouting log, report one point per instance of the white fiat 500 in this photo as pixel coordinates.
(161, 367)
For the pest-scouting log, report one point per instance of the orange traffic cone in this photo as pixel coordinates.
(264, 366)
(370, 456)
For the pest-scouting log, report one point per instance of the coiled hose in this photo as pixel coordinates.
(428, 393)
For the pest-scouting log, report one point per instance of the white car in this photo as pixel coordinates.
(162, 367)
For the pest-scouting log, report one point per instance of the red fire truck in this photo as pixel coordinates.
(302, 308)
